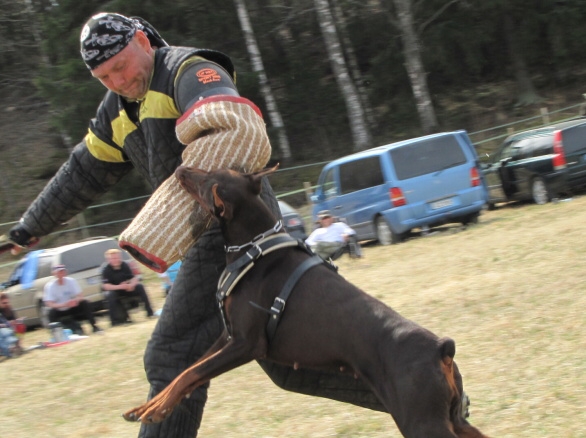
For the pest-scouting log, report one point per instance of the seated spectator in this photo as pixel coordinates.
(332, 239)
(66, 303)
(9, 345)
(17, 323)
(120, 282)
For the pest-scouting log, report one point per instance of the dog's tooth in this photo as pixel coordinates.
(187, 395)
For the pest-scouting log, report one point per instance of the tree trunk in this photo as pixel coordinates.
(355, 72)
(360, 132)
(265, 89)
(526, 91)
(414, 66)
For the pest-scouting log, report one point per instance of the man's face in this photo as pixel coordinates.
(115, 259)
(60, 273)
(326, 221)
(4, 303)
(128, 73)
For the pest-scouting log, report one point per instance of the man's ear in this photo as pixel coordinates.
(221, 209)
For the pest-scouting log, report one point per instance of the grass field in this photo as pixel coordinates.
(511, 291)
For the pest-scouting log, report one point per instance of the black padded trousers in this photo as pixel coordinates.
(190, 323)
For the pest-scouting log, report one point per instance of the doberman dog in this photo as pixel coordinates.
(327, 324)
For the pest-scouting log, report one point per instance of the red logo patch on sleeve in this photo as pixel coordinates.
(207, 75)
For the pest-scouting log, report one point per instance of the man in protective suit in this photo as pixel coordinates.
(166, 106)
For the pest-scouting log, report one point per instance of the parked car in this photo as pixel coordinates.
(539, 164)
(385, 192)
(83, 261)
(292, 221)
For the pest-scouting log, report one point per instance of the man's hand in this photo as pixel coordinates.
(74, 302)
(128, 285)
(16, 239)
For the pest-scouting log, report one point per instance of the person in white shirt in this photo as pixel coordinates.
(66, 303)
(331, 237)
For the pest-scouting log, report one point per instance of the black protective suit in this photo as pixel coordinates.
(125, 135)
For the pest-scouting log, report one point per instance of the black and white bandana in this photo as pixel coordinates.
(107, 34)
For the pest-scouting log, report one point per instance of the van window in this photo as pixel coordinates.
(573, 139)
(44, 267)
(360, 174)
(329, 185)
(87, 256)
(427, 156)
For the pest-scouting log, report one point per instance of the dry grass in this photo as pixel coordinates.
(510, 291)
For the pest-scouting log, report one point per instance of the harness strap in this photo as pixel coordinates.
(237, 269)
(281, 300)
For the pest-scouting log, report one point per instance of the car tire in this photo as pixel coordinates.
(384, 233)
(539, 191)
(471, 219)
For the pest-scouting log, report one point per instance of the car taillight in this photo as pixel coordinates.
(293, 222)
(397, 198)
(474, 177)
(559, 158)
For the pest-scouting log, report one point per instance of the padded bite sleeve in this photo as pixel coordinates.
(220, 132)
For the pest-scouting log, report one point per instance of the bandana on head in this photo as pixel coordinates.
(107, 34)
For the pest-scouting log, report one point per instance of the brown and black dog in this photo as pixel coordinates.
(328, 324)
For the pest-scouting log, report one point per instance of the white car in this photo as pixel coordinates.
(83, 261)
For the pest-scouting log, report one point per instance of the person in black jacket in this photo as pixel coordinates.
(150, 119)
(119, 280)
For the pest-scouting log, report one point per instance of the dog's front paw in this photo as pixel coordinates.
(154, 411)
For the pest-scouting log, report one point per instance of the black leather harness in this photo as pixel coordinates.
(237, 269)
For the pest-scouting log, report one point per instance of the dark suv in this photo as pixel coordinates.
(539, 164)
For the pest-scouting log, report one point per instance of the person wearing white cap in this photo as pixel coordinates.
(331, 237)
(65, 301)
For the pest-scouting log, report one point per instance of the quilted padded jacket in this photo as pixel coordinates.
(122, 136)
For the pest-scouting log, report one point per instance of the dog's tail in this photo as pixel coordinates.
(458, 400)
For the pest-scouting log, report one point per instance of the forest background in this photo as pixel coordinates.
(331, 77)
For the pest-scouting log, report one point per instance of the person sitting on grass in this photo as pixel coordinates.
(9, 345)
(119, 281)
(332, 239)
(66, 303)
(7, 312)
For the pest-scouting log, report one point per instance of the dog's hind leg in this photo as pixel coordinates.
(233, 354)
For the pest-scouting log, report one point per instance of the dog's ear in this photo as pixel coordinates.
(221, 208)
(256, 177)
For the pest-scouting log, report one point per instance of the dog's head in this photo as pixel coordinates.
(221, 191)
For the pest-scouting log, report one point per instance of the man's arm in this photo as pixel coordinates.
(81, 180)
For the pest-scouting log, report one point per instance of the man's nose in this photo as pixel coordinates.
(118, 81)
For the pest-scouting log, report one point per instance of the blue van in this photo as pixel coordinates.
(385, 192)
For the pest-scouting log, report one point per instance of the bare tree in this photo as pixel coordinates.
(258, 68)
(355, 72)
(414, 65)
(356, 116)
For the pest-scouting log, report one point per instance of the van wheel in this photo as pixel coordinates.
(539, 191)
(471, 219)
(384, 234)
